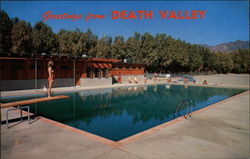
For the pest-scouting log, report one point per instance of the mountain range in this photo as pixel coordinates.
(229, 46)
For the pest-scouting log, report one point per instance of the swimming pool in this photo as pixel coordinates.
(117, 113)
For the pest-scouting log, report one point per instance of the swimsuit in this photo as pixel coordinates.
(51, 79)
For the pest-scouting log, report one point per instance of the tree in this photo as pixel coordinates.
(146, 49)
(64, 46)
(241, 61)
(133, 48)
(5, 32)
(179, 53)
(118, 48)
(209, 59)
(157, 60)
(103, 47)
(76, 43)
(44, 40)
(14, 20)
(21, 36)
(91, 43)
(195, 58)
(224, 63)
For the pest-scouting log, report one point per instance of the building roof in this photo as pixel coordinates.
(13, 56)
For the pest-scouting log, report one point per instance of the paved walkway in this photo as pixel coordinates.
(66, 89)
(218, 132)
(70, 89)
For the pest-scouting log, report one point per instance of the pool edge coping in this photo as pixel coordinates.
(134, 137)
(76, 89)
(158, 127)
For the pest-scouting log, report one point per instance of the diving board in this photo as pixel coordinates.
(31, 101)
(24, 104)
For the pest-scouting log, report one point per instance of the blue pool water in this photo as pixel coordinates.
(117, 113)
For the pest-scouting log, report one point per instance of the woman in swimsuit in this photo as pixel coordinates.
(51, 76)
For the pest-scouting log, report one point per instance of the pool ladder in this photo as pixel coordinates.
(21, 108)
(189, 108)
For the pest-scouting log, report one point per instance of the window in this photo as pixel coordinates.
(97, 73)
(105, 73)
(89, 72)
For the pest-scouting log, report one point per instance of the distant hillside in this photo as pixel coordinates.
(229, 46)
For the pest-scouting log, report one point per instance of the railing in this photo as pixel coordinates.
(189, 108)
(21, 108)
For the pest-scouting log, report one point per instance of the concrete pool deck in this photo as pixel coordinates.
(221, 131)
(72, 89)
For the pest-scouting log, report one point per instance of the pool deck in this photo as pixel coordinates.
(217, 131)
(72, 89)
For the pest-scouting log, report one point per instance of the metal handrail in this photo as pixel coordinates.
(21, 114)
(185, 102)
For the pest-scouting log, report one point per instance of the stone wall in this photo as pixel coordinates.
(91, 82)
(8, 85)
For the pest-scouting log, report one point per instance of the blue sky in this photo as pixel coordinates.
(224, 21)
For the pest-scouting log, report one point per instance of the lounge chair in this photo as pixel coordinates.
(129, 80)
(135, 80)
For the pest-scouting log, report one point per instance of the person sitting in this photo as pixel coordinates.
(155, 76)
(135, 80)
(129, 80)
(185, 80)
(205, 82)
